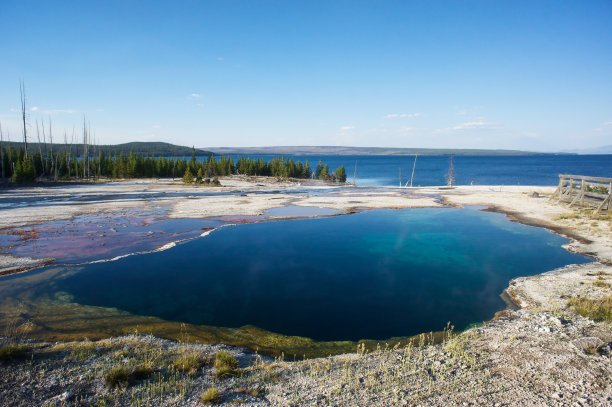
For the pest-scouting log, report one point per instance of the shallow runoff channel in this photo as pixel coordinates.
(304, 287)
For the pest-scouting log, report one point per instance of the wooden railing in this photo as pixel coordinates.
(583, 190)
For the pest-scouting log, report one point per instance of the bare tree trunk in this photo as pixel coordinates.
(99, 163)
(76, 166)
(2, 150)
(10, 157)
(53, 164)
(88, 155)
(67, 154)
(42, 163)
(23, 113)
(45, 141)
(84, 148)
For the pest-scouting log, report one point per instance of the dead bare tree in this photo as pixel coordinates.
(10, 157)
(67, 152)
(42, 163)
(76, 167)
(53, 164)
(42, 124)
(84, 148)
(2, 150)
(97, 153)
(23, 114)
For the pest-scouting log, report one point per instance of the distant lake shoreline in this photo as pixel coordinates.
(432, 170)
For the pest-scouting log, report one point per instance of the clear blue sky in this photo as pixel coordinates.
(530, 75)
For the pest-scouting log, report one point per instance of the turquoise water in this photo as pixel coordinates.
(372, 275)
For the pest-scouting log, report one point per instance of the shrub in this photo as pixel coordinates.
(12, 351)
(117, 377)
(141, 372)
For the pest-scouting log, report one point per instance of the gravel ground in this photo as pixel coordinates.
(520, 358)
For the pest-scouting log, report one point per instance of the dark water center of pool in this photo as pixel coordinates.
(372, 275)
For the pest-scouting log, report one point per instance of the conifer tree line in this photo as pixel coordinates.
(89, 161)
(65, 165)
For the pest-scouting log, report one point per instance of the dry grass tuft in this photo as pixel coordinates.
(211, 396)
(188, 363)
(118, 376)
(597, 310)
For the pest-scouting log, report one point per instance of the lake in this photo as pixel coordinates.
(539, 170)
(371, 275)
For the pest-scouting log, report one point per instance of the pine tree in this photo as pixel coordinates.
(188, 177)
(24, 171)
(319, 169)
(341, 174)
(324, 174)
(306, 170)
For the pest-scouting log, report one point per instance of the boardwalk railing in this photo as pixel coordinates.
(583, 190)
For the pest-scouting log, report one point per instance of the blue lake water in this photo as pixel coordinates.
(372, 275)
(479, 170)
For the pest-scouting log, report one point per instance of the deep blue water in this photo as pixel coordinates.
(372, 275)
(480, 170)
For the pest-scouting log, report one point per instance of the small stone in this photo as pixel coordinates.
(65, 396)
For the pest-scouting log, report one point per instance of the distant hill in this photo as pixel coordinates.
(599, 150)
(339, 150)
(137, 147)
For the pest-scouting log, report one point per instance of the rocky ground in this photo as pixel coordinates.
(552, 347)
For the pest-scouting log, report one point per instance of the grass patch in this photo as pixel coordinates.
(568, 216)
(83, 350)
(597, 310)
(252, 391)
(224, 372)
(188, 363)
(226, 365)
(119, 376)
(603, 217)
(225, 359)
(211, 396)
(12, 351)
(601, 284)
